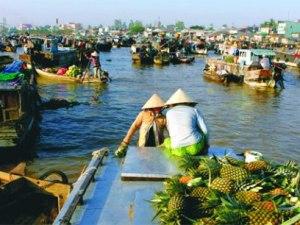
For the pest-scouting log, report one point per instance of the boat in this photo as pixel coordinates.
(291, 59)
(62, 56)
(245, 69)
(182, 59)
(121, 192)
(19, 102)
(140, 55)
(104, 45)
(199, 48)
(5, 59)
(219, 71)
(27, 200)
(44, 76)
(162, 58)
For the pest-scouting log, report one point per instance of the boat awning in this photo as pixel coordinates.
(261, 52)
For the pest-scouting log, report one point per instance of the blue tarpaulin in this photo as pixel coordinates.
(14, 67)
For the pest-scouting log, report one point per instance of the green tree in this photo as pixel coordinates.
(119, 25)
(179, 26)
(197, 27)
(135, 27)
(270, 23)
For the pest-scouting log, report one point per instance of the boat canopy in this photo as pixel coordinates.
(262, 52)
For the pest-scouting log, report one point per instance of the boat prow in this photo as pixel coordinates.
(120, 192)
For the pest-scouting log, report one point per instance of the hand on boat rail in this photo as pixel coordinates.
(121, 151)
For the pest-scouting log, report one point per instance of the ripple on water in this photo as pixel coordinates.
(238, 117)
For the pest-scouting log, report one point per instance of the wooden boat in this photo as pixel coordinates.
(259, 78)
(121, 192)
(244, 70)
(52, 77)
(18, 116)
(43, 59)
(219, 71)
(139, 58)
(5, 59)
(200, 51)
(162, 58)
(181, 59)
(104, 46)
(26, 200)
(288, 58)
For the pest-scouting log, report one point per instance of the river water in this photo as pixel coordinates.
(237, 116)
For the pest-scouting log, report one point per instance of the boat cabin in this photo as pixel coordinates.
(10, 104)
(248, 56)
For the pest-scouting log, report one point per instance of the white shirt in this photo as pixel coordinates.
(185, 125)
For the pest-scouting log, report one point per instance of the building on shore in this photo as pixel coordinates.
(289, 29)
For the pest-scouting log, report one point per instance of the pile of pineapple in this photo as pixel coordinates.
(230, 192)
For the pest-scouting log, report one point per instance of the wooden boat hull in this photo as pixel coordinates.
(259, 79)
(54, 78)
(138, 59)
(210, 75)
(25, 200)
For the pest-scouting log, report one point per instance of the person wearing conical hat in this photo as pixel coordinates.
(95, 64)
(151, 124)
(187, 129)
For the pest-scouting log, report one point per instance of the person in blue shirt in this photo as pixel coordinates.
(187, 129)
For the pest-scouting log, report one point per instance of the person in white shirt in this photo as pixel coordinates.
(265, 63)
(187, 129)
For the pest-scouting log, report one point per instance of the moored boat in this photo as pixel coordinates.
(27, 200)
(19, 102)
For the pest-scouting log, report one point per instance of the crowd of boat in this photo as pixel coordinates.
(67, 59)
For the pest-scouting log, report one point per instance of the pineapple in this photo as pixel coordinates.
(265, 205)
(177, 203)
(278, 192)
(248, 197)
(223, 185)
(205, 221)
(233, 161)
(173, 186)
(175, 210)
(200, 192)
(262, 217)
(256, 166)
(208, 167)
(233, 172)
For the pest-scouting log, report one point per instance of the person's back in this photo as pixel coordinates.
(183, 126)
(187, 129)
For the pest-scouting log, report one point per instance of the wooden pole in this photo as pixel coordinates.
(80, 187)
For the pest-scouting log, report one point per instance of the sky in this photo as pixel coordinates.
(192, 12)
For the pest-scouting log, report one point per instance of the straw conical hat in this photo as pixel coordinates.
(179, 97)
(154, 102)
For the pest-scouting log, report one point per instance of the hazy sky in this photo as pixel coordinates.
(95, 12)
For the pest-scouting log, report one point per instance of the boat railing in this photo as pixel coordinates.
(80, 187)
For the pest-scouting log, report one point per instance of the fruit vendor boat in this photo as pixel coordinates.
(44, 76)
(119, 193)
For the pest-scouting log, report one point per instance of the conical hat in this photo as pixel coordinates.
(179, 97)
(154, 102)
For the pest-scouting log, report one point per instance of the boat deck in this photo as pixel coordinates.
(122, 189)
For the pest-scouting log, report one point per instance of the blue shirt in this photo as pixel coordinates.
(185, 125)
